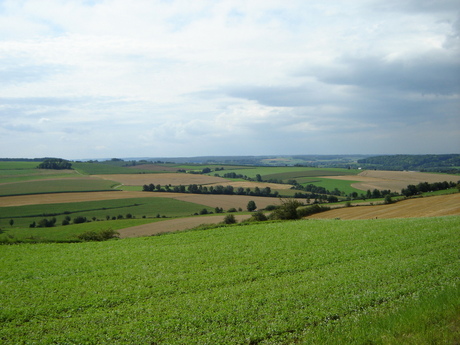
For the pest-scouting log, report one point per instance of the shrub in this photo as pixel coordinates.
(258, 216)
(231, 210)
(271, 207)
(229, 219)
(288, 210)
(102, 235)
(307, 211)
(204, 211)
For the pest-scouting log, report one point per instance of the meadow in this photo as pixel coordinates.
(308, 282)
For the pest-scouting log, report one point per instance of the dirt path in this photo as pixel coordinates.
(173, 225)
(434, 206)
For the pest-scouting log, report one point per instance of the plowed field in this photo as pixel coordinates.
(434, 206)
(393, 180)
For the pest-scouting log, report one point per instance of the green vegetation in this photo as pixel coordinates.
(55, 163)
(98, 212)
(308, 282)
(56, 186)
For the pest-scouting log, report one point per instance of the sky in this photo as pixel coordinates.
(178, 78)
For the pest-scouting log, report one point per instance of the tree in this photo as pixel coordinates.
(55, 163)
(251, 206)
(11, 222)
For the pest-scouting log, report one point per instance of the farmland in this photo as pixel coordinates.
(314, 281)
(309, 282)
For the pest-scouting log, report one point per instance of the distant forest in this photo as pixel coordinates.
(430, 163)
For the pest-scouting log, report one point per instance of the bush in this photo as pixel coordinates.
(308, 211)
(102, 235)
(79, 219)
(258, 216)
(231, 210)
(271, 208)
(229, 219)
(204, 211)
(288, 210)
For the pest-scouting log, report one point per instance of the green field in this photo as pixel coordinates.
(137, 207)
(302, 282)
(56, 186)
(286, 173)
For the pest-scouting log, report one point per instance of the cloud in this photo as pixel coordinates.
(228, 77)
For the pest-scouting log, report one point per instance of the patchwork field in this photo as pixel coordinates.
(211, 200)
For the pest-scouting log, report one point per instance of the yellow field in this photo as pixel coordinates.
(393, 180)
(433, 206)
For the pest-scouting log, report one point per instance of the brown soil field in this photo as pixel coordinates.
(393, 180)
(211, 200)
(163, 179)
(433, 206)
(173, 225)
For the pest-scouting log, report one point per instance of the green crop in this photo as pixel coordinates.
(318, 282)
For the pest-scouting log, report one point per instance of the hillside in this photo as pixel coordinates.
(301, 282)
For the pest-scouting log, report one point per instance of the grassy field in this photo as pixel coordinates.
(309, 282)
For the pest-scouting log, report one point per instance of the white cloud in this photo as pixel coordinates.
(169, 76)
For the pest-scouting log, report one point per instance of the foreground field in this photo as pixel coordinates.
(309, 282)
(434, 206)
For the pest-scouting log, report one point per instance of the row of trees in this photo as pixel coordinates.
(424, 187)
(219, 189)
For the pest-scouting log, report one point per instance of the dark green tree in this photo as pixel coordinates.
(251, 206)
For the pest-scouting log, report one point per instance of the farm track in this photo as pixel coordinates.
(173, 225)
(433, 206)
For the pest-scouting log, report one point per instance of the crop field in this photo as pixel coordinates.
(286, 173)
(308, 282)
(433, 206)
(137, 207)
(56, 186)
(397, 180)
(174, 179)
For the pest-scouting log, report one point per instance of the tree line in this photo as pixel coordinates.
(219, 189)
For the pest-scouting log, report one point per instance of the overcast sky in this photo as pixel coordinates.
(169, 78)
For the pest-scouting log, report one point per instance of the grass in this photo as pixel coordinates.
(308, 282)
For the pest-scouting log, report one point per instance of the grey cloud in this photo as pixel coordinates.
(429, 6)
(430, 74)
